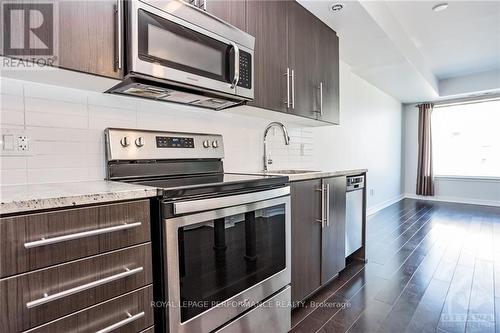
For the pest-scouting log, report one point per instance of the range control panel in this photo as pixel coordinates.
(174, 142)
(245, 70)
(130, 144)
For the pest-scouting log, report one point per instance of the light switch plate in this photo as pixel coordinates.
(15, 142)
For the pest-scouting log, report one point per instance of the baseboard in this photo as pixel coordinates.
(454, 200)
(374, 209)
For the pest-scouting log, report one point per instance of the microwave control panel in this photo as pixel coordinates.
(245, 70)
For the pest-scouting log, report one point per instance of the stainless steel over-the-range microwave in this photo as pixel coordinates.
(177, 52)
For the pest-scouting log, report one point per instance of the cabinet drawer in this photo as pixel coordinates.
(34, 298)
(34, 241)
(128, 313)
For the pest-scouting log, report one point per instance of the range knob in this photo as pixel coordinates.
(139, 142)
(206, 144)
(215, 144)
(125, 142)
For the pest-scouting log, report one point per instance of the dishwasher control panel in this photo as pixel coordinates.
(355, 182)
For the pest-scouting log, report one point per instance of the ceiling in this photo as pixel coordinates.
(414, 53)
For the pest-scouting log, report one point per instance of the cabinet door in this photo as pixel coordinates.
(231, 11)
(306, 238)
(88, 36)
(267, 22)
(302, 49)
(333, 236)
(328, 60)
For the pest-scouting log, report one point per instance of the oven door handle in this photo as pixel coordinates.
(191, 206)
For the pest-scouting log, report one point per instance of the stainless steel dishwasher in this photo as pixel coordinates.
(354, 214)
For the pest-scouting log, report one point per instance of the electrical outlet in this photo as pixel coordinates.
(372, 192)
(302, 148)
(22, 143)
(14, 142)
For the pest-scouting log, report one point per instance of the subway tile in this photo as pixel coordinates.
(65, 161)
(55, 120)
(11, 103)
(67, 148)
(13, 176)
(11, 87)
(102, 123)
(96, 111)
(57, 93)
(52, 175)
(12, 162)
(112, 101)
(56, 107)
(65, 134)
(11, 117)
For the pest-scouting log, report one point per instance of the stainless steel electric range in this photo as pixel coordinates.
(221, 241)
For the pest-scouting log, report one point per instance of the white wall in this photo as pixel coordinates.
(66, 129)
(465, 190)
(369, 136)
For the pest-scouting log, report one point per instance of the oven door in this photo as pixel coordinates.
(222, 262)
(167, 47)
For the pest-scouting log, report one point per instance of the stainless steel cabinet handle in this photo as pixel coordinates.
(321, 98)
(287, 74)
(123, 322)
(327, 204)
(119, 20)
(83, 287)
(322, 220)
(83, 234)
(293, 89)
(236, 77)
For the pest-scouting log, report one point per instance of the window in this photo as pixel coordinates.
(466, 139)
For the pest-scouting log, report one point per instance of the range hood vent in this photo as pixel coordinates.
(162, 90)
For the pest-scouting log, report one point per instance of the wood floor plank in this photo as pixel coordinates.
(454, 314)
(481, 313)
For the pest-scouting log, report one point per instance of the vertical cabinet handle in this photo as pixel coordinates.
(322, 219)
(293, 89)
(287, 74)
(123, 322)
(327, 204)
(204, 6)
(321, 98)
(119, 30)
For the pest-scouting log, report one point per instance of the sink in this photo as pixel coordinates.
(291, 172)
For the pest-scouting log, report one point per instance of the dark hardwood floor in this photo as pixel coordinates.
(432, 267)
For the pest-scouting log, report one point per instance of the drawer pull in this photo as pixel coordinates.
(100, 231)
(83, 287)
(122, 322)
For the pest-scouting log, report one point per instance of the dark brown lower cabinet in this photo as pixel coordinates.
(306, 238)
(318, 233)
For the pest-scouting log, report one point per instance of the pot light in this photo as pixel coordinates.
(440, 7)
(337, 7)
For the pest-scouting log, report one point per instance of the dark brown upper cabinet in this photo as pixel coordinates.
(231, 11)
(296, 60)
(267, 22)
(328, 74)
(88, 32)
(85, 40)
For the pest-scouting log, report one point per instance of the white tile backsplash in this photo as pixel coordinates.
(66, 131)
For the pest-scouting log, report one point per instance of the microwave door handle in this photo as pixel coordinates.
(236, 76)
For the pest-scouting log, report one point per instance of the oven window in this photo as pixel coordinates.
(220, 258)
(175, 46)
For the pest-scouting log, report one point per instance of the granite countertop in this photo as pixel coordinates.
(293, 177)
(26, 198)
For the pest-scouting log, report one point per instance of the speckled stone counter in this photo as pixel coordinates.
(293, 177)
(26, 198)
